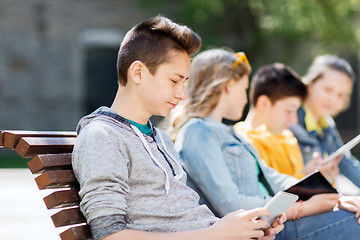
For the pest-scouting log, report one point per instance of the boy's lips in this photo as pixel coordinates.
(173, 105)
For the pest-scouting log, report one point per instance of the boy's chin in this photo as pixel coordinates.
(163, 113)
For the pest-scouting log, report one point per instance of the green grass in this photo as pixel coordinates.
(9, 159)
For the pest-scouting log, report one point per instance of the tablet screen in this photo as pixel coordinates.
(314, 183)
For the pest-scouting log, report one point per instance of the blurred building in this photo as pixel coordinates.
(58, 59)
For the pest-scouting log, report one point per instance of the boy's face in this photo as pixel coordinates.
(281, 114)
(163, 90)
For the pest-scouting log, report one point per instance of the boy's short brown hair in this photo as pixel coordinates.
(151, 42)
(276, 81)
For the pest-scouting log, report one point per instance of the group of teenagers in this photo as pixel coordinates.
(204, 179)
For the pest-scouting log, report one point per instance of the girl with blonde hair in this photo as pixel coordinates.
(206, 93)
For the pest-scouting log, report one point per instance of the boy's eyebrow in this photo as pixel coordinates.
(181, 76)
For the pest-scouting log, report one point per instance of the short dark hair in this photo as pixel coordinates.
(276, 81)
(151, 43)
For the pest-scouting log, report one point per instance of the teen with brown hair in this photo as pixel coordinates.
(131, 183)
(276, 93)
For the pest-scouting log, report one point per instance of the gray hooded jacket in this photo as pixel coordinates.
(128, 183)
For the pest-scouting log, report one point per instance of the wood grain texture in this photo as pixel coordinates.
(57, 179)
(12, 137)
(45, 162)
(77, 233)
(31, 146)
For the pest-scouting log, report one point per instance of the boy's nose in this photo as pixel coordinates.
(180, 92)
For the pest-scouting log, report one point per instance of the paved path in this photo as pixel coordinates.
(23, 214)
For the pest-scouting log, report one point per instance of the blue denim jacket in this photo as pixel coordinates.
(221, 167)
(311, 142)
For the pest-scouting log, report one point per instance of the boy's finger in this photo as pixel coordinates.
(257, 212)
(270, 237)
(257, 234)
(282, 218)
(260, 224)
(239, 211)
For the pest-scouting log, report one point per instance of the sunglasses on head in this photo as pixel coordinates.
(240, 57)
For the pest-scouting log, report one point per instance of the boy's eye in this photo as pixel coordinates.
(174, 81)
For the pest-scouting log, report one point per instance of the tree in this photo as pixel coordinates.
(291, 31)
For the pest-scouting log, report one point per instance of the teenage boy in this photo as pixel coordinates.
(131, 183)
(276, 93)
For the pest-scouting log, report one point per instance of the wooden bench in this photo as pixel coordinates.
(50, 154)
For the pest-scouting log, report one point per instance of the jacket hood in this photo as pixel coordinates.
(98, 113)
(109, 115)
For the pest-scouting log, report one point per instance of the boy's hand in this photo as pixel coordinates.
(245, 225)
(277, 227)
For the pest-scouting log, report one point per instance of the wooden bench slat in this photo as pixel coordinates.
(67, 217)
(12, 137)
(44, 162)
(30, 146)
(57, 179)
(77, 233)
(60, 199)
(51, 152)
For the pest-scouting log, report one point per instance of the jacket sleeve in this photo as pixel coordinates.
(274, 160)
(349, 165)
(278, 181)
(101, 168)
(204, 162)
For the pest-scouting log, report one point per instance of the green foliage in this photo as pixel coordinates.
(291, 31)
(327, 21)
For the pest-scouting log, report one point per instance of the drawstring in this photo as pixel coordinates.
(146, 145)
(178, 165)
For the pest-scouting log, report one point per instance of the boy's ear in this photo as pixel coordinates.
(263, 102)
(136, 71)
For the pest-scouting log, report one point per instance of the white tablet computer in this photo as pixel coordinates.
(346, 147)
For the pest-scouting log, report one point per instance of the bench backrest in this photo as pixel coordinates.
(51, 162)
